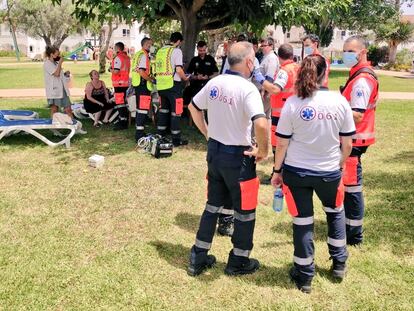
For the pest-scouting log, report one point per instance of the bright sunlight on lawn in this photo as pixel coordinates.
(118, 238)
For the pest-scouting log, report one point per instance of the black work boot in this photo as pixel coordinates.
(238, 265)
(199, 262)
(338, 269)
(302, 283)
(225, 226)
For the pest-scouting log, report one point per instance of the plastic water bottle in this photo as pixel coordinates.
(278, 200)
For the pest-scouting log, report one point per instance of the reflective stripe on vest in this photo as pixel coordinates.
(365, 130)
(163, 68)
(136, 77)
(121, 79)
(278, 100)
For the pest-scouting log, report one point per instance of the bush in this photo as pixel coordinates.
(404, 57)
(377, 54)
(4, 53)
(397, 67)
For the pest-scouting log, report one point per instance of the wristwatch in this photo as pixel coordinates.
(277, 171)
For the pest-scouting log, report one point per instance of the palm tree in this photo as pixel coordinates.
(394, 32)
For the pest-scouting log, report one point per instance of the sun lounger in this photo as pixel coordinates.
(19, 114)
(10, 127)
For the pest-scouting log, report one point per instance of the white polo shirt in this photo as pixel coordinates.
(314, 126)
(269, 65)
(176, 60)
(232, 103)
(361, 93)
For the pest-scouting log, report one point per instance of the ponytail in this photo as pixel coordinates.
(310, 76)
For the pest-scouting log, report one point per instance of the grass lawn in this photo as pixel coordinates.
(118, 238)
(30, 75)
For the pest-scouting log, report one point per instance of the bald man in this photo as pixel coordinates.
(361, 91)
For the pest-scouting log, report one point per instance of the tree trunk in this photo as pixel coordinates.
(393, 52)
(58, 42)
(215, 38)
(47, 40)
(104, 46)
(190, 27)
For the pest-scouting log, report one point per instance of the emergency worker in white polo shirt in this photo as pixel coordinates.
(233, 105)
(315, 139)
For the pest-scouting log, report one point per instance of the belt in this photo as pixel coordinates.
(217, 146)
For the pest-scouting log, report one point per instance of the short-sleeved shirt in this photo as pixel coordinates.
(206, 66)
(314, 126)
(282, 78)
(232, 103)
(360, 95)
(142, 63)
(54, 85)
(176, 60)
(269, 66)
(117, 63)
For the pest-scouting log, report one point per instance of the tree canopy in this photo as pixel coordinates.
(40, 19)
(194, 15)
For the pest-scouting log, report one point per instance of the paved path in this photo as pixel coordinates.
(79, 92)
(24, 93)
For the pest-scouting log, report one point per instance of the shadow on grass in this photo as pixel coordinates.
(269, 276)
(320, 231)
(177, 256)
(406, 157)
(327, 274)
(187, 221)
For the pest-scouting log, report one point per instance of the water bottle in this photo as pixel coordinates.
(278, 200)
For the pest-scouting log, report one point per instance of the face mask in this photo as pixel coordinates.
(308, 50)
(350, 59)
(251, 73)
(56, 59)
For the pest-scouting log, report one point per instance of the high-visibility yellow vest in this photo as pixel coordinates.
(163, 68)
(136, 77)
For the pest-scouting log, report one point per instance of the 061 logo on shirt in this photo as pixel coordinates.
(215, 94)
(308, 113)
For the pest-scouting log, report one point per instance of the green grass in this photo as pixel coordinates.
(387, 83)
(118, 238)
(30, 75)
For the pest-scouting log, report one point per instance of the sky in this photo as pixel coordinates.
(408, 10)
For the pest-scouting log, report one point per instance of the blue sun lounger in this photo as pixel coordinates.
(10, 127)
(19, 114)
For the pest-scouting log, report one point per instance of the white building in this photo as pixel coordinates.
(129, 35)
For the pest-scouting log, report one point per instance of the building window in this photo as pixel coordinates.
(343, 33)
(125, 32)
(288, 35)
(31, 48)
